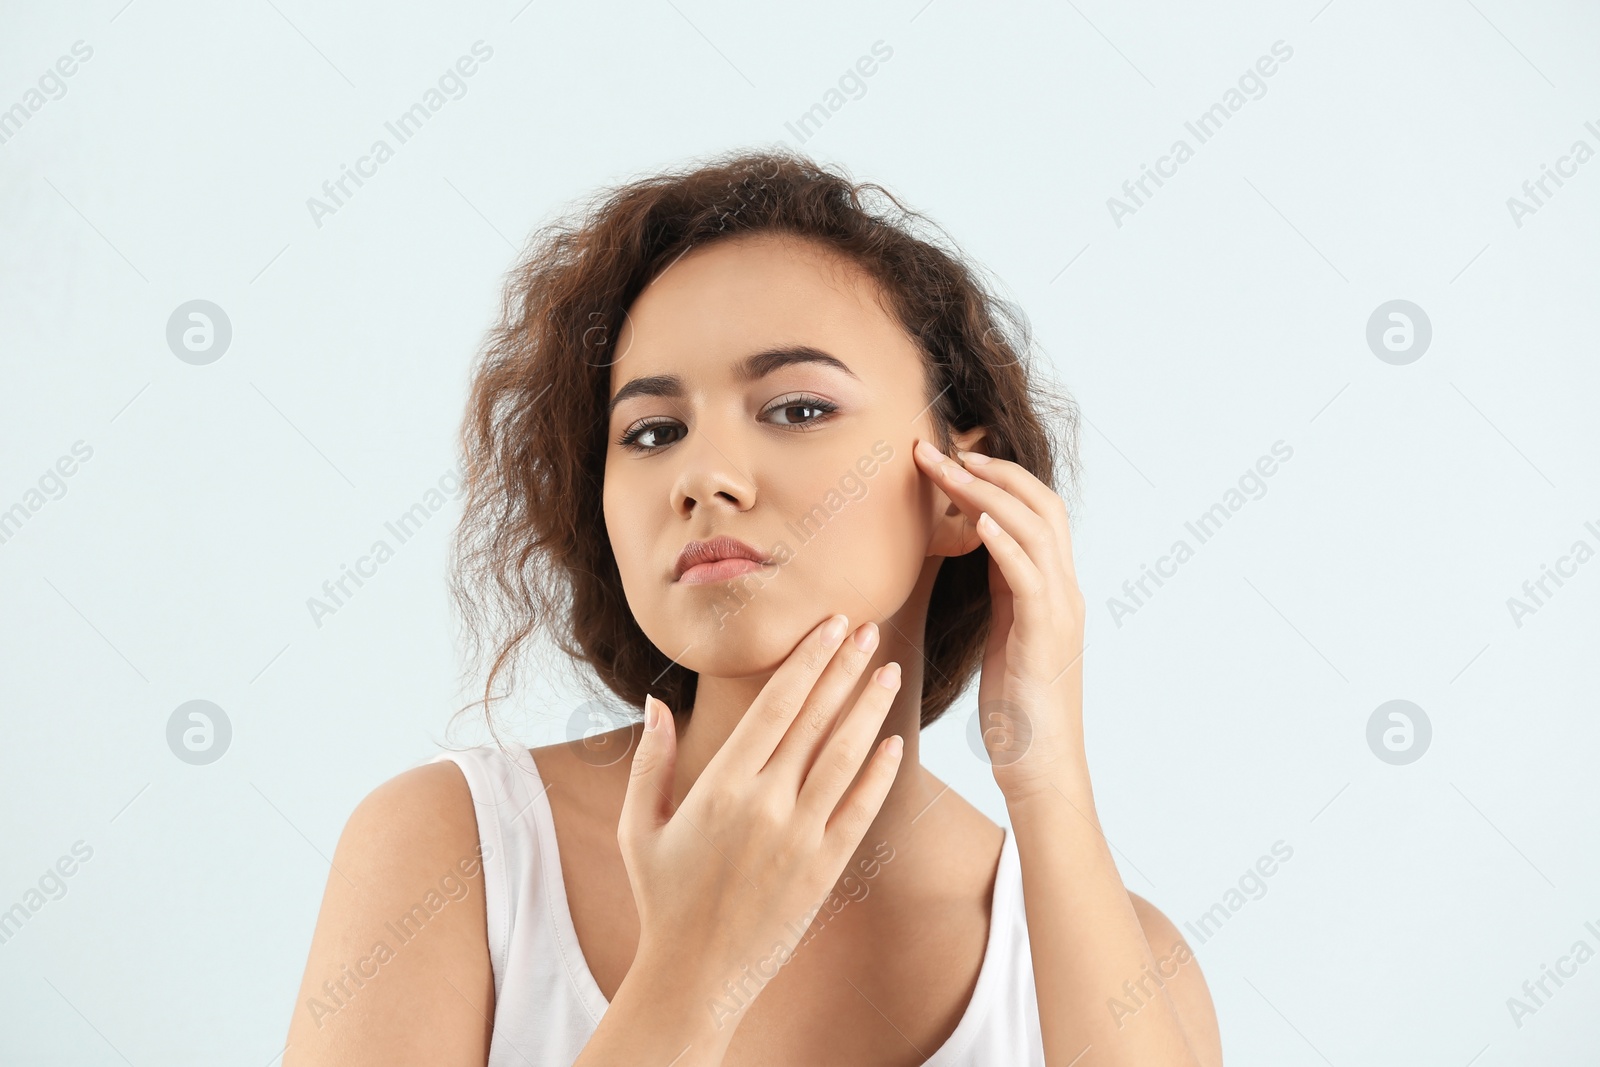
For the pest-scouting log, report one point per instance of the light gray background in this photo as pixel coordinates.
(1227, 313)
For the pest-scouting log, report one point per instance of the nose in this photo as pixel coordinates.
(710, 476)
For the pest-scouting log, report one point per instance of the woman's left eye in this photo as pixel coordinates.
(804, 403)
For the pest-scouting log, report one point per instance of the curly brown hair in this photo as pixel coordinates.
(532, 552)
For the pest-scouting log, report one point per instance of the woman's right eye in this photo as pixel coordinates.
(631, 438)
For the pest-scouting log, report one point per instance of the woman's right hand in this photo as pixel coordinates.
(727, 882)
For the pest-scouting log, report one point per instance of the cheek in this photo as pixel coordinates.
(622, 528)
(631, 547)
(872, 546)
(613, 521)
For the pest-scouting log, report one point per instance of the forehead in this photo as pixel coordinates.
(719, 302)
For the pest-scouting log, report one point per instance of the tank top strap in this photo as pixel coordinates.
(547, 1003)
(503, 796)
(546, 999)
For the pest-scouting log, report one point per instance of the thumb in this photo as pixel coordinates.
(648, 802)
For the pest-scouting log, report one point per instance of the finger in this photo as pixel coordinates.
(1021, 483)
(758, 732)
(841, 757)
(647, 804)
(823, 708)
(851, 819)
(1029, 589)
(974, 495)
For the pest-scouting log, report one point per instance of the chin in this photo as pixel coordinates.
(736, 652)
(727, 636)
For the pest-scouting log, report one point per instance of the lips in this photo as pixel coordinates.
(696, 553)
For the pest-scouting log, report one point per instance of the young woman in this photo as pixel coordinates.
(770, 464)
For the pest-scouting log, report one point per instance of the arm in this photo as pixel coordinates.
(1112, 973)
(1088, 935)
(430, 1000)
(368, 998)
(1187, 987)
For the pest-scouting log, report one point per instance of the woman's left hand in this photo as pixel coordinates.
(1030, 694)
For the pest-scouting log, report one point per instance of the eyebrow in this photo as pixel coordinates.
(749, 369)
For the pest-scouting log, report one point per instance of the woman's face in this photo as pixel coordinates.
(730, 418)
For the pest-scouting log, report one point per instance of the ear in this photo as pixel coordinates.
(970, 440)
(954, 534)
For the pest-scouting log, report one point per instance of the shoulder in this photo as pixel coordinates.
(439, 788)
(399, 965)
(414, 822)
(1179, 971)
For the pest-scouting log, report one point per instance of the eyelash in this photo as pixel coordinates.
(827, 408)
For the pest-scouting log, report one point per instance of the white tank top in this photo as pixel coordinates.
(547, 1003)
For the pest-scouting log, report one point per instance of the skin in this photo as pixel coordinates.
(688, 859)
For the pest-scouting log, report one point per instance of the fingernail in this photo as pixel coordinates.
(866, 635)
(894, 746)
(652, 717)
(957, 473)
(929, 452)
(889, 675)
(973, 457)
(833, 631)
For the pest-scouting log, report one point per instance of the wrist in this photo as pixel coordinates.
(1064, 791)
(711, 997)
(665, 1012)
(1024, 784)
